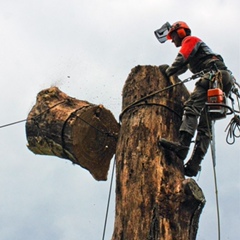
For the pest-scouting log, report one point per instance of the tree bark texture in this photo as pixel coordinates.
(153, 199)
(77, 130)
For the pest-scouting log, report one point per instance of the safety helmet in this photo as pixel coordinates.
(180, 27)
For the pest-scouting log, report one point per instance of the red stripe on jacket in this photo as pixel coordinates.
(189, 46)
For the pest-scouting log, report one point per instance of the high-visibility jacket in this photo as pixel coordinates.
(194, 55)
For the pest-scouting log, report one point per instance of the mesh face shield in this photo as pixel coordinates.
(161, 33)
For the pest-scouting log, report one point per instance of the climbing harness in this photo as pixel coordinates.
(218, 108)
(216, 98)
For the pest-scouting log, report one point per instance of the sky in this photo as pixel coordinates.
(87, 48)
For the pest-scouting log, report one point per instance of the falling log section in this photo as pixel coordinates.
(69, 128)
(153, 199)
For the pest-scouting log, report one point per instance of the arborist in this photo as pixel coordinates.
(196, 56)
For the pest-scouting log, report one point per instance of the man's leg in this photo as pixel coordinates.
(203, 139)
(192, 110)
(181, 147)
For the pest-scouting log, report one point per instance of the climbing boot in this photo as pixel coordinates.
(181, 148)
(193, 166)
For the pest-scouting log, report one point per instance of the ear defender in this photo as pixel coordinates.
(181, 32)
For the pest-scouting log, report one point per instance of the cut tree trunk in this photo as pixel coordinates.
(153, 199)
(77, 130)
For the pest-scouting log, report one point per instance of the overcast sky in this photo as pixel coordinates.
(87, 48)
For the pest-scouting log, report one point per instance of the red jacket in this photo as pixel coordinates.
(194, 55)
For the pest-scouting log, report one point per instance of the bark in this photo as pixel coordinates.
(153, 199)
(77, 130)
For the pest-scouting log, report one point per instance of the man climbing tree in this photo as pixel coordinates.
(196, 56)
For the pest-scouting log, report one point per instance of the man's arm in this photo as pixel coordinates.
(178, 67)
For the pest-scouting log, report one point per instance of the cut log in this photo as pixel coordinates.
(153, 199)
(72, 129)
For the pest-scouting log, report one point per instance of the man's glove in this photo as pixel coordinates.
(163, 69)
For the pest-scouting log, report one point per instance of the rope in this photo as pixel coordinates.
(165, 106)
(108, 202)
(34, 119)
(213, 151)
(217, 202)
(13, 123)
(237, 96)
(157, 104)
(150, 95)
(232, 128)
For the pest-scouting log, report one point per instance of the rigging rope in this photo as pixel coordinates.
(34, 118)
(13, 123)
(150, 95)
(217, 202)
(211, 132)
(108, 202)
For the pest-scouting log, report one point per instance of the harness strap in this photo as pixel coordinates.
(217, 80)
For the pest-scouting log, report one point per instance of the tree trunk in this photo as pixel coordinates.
(153, 199)
(72, 129)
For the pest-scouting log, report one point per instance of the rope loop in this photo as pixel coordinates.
(233, 130)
